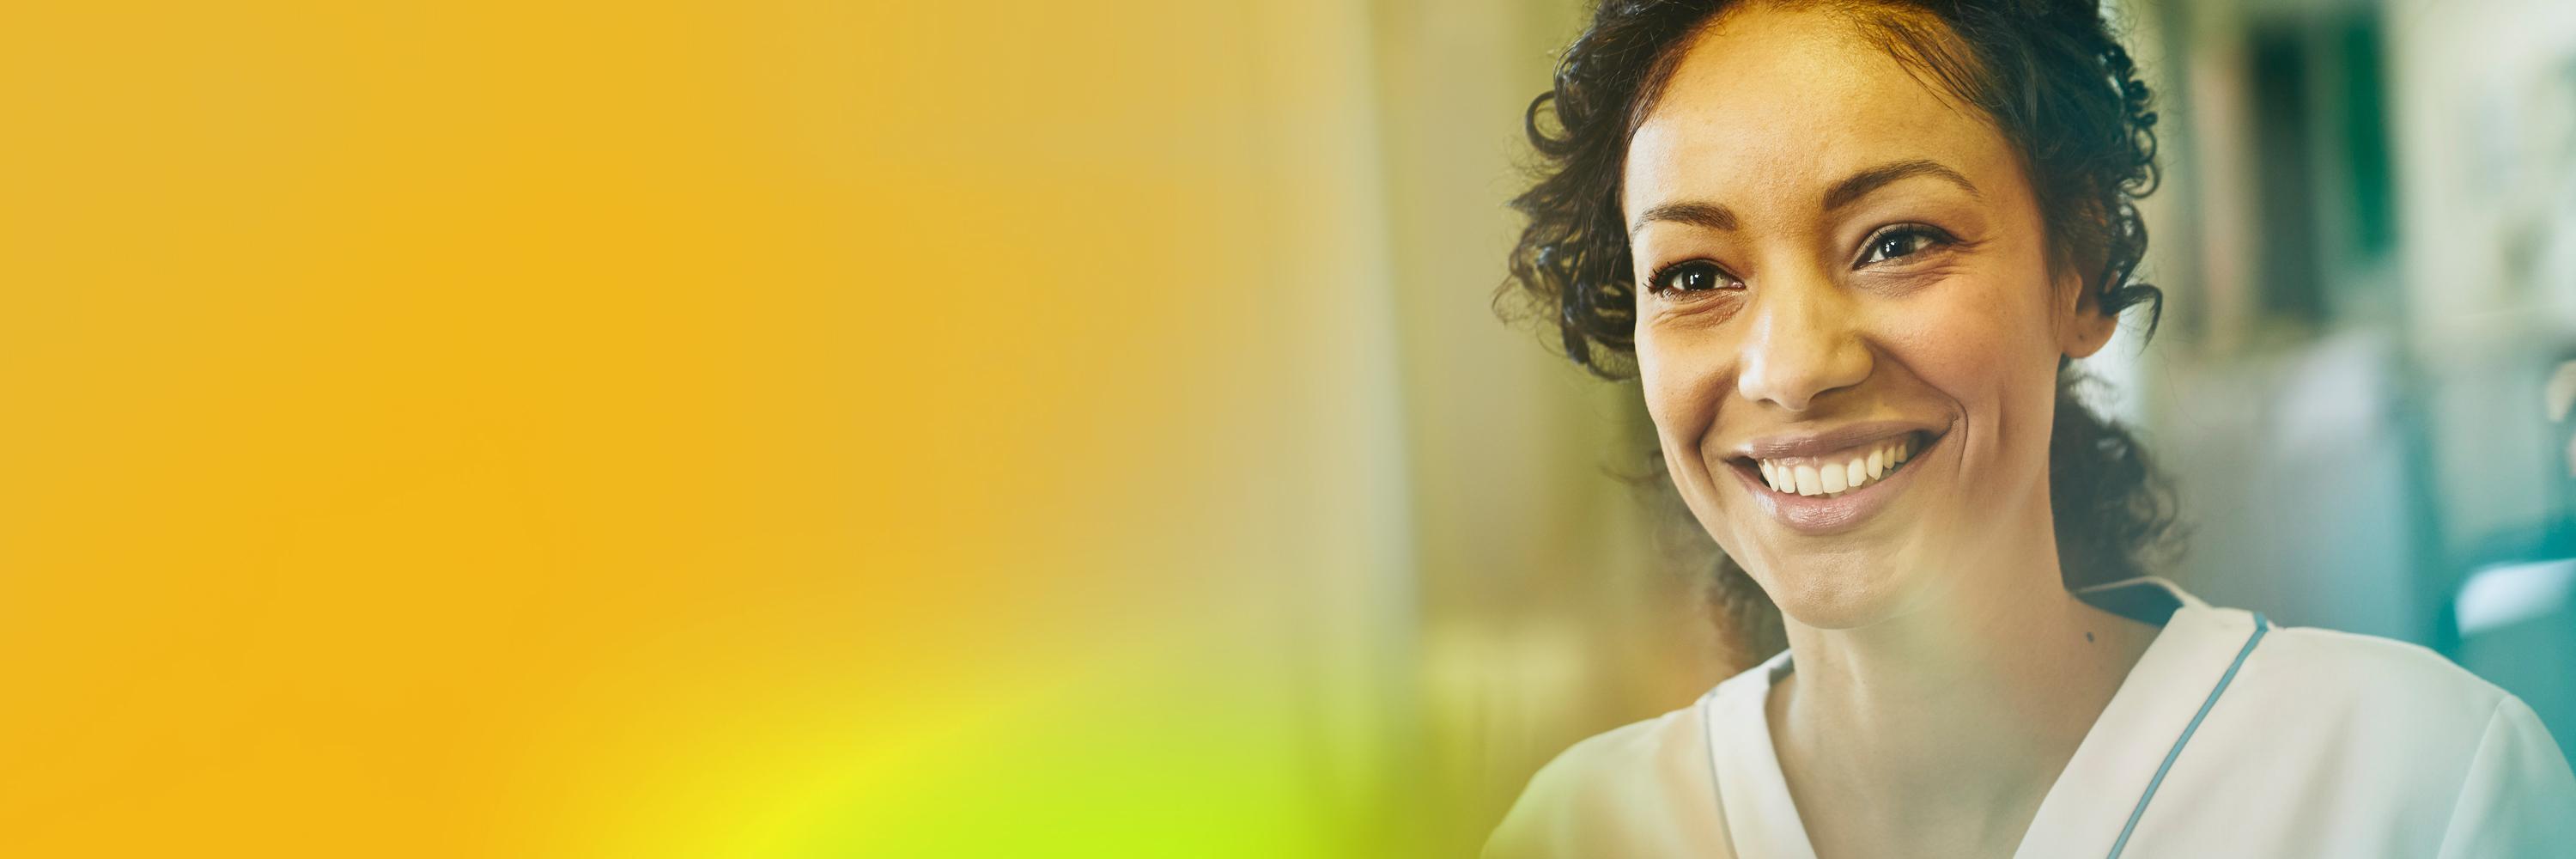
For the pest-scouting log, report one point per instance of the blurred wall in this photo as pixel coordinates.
(2371, 297)
(1548, 613)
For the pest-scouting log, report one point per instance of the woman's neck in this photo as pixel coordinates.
(1947, 725)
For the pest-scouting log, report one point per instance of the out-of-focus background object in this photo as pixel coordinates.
(822, 429)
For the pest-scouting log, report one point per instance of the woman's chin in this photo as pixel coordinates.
(1837, 596)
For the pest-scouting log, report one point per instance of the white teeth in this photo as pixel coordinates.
(1833, 479)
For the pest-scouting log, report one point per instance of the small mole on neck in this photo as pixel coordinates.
(2088, 636)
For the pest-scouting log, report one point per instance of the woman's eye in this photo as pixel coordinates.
(1695, 276)
(1898, 242)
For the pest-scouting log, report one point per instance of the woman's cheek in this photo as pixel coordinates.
(1954, 344)
(1682, 377)
(1680, 373)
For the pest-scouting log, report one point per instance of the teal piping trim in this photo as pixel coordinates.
(2260, 626)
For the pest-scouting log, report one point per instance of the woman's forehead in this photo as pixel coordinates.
(1774, 104)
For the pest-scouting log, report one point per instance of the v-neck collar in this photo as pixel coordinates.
(2091, 801)
(1752, 793)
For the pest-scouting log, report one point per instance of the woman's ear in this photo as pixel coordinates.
(2082, 327)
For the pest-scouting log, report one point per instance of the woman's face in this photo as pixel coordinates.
(1839, 268)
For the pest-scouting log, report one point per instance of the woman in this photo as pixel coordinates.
(1851, 249)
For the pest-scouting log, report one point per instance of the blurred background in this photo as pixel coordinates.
(821, 429)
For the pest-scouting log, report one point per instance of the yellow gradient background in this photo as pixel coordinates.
(692, 429)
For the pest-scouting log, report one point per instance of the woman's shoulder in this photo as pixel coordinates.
(2323, 690)
(2411, 686)
(1644, 788)
(2382, 741)
(2313, 673)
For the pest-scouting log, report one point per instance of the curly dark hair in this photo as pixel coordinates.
(2057, 84)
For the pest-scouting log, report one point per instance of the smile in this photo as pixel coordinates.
(1833, 481)
(1831, 476)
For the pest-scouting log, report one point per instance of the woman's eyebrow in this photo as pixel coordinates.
(1858, 185)
(1716, 216)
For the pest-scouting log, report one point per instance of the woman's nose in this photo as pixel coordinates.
(1802, 342)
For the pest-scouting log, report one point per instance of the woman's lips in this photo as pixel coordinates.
(1815, 494)
(1839, 471)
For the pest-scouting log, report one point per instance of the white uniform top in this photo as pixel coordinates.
(2231, 737)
